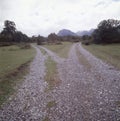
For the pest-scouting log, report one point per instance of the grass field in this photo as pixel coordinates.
(13, 66)
(109, 53)
(62, 49)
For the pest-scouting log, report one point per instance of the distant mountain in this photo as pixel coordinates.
(65, 32)
(81, 33)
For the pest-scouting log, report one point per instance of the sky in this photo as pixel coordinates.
(42, 17)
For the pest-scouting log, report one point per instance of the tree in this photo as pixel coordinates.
(53, 38)
(20, 37)
(107, 31)
(108, 24)
(10, 26)
(9, 30)
(41, 40)
(10, 34)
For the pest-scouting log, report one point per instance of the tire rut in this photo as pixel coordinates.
(29, 102)
(83, 95)
(86, 95)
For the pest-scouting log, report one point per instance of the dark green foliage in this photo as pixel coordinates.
(86, 39)
(24, 46)
(70, 38)
(20, 37)
(10, 35)
(7, 35)
(40, 40)
(10, 28)
(108, 31)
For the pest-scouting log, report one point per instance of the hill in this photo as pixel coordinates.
(81, 33)
(65, 32)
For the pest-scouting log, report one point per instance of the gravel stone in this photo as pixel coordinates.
(86, 95)
(83, 94)
(28, 103)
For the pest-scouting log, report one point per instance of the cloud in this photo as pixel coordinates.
(116, 0)
(46, 16)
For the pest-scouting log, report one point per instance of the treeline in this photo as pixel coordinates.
(55, 39)
(108, 31)
(10, 34)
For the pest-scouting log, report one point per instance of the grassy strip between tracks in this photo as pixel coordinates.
(51, 74)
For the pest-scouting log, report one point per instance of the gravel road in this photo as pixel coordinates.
(86, 94)
(29, 101)
(83, 95)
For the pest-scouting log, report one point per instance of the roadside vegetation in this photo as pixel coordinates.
(14, 65)
(61, 49)
(107, 32)
(46, 119)
(109, 53)
(51, 104)
(42, 51)
(51, 74)
(82, 59)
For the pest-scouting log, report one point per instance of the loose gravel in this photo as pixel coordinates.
(83, 94)
(86, 95)
(29, 102)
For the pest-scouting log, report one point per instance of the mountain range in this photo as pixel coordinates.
(66, 32)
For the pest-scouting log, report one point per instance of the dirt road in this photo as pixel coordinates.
(84, 94)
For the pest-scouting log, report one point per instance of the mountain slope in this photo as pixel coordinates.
(81, 33)
(65, 32)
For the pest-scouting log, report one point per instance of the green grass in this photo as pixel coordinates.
(12, 57)
(62, 49)
(51, 74)
(109, 53)
(14, 63)
(51, 104)
(46, 119)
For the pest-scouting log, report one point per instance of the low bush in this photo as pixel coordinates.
(24, 46)
(86, 43)
(2, 44)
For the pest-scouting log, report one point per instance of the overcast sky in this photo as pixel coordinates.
(42, 17)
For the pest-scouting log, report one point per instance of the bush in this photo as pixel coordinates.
(5, 44)
(85, 42)
(108, 31)
(59, 43)
(24, 46)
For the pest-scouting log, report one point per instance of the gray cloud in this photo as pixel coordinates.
(46, 16)
(116, 0)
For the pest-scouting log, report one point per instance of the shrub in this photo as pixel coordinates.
(5, 44)
(86, 42)
(24, 46)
